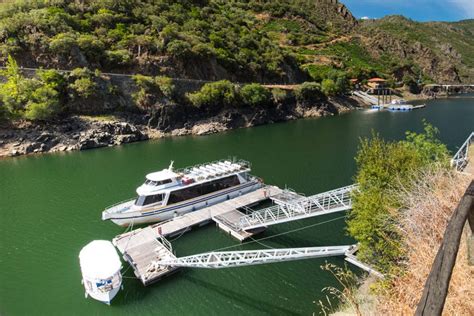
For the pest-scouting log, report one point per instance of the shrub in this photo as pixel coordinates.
(90, 45)
(118, 57)
(382, 167)
(178, 48)
(328, 87)
(84, 84)
(279, 95)
(151, 89)
(62, 43)
(34, 99)
(255, 94)
(215, 94)
(43, 104)
(308, 91)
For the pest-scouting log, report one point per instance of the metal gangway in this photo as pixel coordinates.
(461, 158)
(304, 207)
(230, 259)
(365, 96)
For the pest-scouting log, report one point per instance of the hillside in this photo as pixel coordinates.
(264, 41)
(175, 66)
(195, 39)
(443, 51)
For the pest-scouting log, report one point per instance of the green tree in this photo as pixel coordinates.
(279, 95)
(11, 91)
(382, 169)
(214, 95)
(152, 90)
(255, 94)
(62, 43)
(43, 103)
(83, 82)
(328, 87)
(308, 91)
(34, 99)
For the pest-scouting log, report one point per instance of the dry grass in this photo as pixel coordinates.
(429, 208)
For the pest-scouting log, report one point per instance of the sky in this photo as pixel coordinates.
(419, 10)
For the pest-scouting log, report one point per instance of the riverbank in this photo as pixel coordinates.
(88, 132)
(429, 205)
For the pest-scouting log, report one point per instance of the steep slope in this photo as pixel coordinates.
(443, 51)
(197, 39)
(266, 41)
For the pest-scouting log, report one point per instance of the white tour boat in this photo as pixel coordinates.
(169, 193)
(100, 267)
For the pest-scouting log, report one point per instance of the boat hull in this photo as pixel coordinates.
(104, 297)
(171, 211)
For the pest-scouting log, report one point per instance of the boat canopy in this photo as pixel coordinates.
(162, 175)
(99, 260)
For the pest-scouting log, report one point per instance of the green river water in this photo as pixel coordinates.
(51, 207)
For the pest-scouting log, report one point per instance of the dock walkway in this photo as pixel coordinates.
(142, 246)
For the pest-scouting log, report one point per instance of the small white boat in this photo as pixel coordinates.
(100, 267)
(399, 105)
(169, 193)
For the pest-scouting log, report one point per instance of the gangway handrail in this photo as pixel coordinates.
(323, 203)
(229, 259)
(460, 159)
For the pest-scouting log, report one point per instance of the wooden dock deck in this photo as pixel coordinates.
(142, 246)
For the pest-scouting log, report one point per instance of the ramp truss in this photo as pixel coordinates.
(230, 259)
(303, 207)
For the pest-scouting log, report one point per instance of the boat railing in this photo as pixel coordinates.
(108, 209)
(244, 164)
(460, 159)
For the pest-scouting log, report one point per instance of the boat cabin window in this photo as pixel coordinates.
(148, 199)
(203, 189)
(157, 183)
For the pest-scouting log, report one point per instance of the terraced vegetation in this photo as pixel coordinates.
(279, 42)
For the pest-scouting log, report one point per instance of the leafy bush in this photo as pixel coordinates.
(308, 91)
(34, 99)
(83, 84)
(255, 94)
(43, 103)
(214, 95)
(178, 48)
(118, 57)
(62, 43)
(90, 45)
(279, 95)
(328, 87)
(383, 168)
(151, 89)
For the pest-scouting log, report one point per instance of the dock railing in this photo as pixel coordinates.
(460, 159)
(166, 243)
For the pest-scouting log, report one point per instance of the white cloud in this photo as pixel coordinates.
(467, 6)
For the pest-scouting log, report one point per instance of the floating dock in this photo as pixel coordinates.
(142, 246)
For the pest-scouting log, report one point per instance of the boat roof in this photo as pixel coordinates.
(198, 173)
(215, 169)
(161, 175)
(99, 260)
